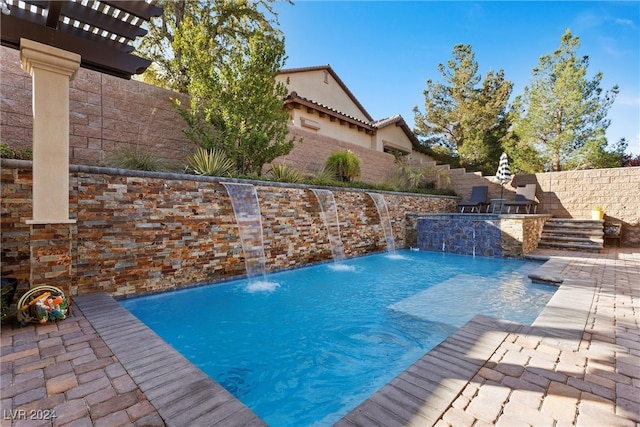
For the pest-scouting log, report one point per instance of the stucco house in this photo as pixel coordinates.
(320, 102)
(323, 109)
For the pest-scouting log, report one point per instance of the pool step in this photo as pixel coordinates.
(573, 234)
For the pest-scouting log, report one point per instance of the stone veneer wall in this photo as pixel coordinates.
(471, 234)
(141, 232)
(475, 234)
(571, 194)
(521, 233)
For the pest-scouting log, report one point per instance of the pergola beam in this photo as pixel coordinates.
(102, 33)
(95, 55)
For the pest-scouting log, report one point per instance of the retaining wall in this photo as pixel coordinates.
(572, 194)
(105, 113)
(137, 232)
(108, 113)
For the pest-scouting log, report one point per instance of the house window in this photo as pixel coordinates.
(326, 77)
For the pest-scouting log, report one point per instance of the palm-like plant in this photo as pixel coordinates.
(284, 173)
(210, 162)
(345, 164)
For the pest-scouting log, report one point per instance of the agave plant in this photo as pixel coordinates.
(284, 173)
(210, 162)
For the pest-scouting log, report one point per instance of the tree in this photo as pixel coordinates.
(562, 114)
(235, 102)
(465, 114)
(226, 22)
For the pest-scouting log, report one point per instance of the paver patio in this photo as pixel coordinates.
(100, 367)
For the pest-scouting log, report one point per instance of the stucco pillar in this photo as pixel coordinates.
(51, 70)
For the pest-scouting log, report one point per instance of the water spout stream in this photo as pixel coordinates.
(385, 222)
(330, 217)
(246, 208)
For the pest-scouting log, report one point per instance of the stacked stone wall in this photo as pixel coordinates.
(146, 232)
(521, 233)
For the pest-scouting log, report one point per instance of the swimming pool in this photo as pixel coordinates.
(308, 345)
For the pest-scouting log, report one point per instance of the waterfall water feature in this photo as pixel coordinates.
(474, 239)
(246, 208)
(330, 217)
(385, 222)
(469, 234)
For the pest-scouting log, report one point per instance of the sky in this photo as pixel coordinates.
(384, 51)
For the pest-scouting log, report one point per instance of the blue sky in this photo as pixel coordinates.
(385, 51)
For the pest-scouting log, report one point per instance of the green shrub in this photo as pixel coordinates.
(134, 158)
(210, 162)
(8, 152)
(345, 165)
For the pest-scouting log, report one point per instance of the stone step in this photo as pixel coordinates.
(573, 223)
(573, 234)
(577, 240)
(571, 246)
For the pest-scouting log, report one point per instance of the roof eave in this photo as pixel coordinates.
(294, 101)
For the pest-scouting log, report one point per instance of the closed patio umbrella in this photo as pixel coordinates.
(504, 173)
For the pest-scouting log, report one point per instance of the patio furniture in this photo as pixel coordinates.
(478, 199)
(613, 231)
(525, 197)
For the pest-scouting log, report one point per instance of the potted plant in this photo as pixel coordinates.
(597, 212)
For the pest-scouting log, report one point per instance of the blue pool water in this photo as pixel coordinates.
(309, 345)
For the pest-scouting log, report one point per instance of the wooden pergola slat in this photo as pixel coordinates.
(101, 32)
(138, 8)
(98, 56)
(78, 12)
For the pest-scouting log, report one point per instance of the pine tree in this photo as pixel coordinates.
(562, 114)
(464, 114)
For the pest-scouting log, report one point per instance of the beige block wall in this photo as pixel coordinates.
(106, 113)
(571, 194)
(310, 155)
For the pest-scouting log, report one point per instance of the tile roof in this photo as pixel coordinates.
(293, 96)
(371, 125)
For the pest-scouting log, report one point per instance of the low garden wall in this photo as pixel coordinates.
(138, 232)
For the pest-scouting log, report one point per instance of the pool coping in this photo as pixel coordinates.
(184, 395)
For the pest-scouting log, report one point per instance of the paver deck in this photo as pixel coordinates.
(578, 364)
